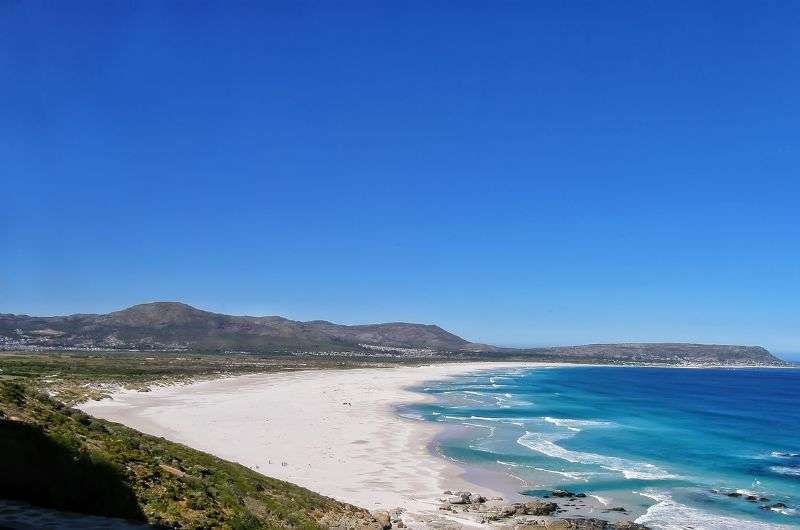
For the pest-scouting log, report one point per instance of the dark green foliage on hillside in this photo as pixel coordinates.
(58, 457)
(54, 471)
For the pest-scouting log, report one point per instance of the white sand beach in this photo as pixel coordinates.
(335, 432)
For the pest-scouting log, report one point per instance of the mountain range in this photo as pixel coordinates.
(174, 326)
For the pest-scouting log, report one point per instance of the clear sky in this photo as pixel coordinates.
(519, 173)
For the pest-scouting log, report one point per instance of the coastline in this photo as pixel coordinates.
(344, 434)
(336, 432)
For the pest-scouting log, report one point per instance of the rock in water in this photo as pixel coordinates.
(561, 493)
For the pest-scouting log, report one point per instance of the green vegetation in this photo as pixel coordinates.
(58, 457)
(73, 377)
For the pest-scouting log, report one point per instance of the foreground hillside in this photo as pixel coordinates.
(60, 458)
(172, 326)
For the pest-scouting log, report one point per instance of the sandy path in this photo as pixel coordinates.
(296, 427)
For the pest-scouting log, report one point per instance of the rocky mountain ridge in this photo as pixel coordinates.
(174, 326)
(178, 326)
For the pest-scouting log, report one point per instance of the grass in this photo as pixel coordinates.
(57, 457)
(73, 377)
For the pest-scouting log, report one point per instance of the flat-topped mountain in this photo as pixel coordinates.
(176, 326)
(664, 352)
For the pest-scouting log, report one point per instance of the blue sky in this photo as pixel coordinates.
(519, 173)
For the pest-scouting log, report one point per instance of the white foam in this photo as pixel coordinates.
(643, 475)
(524, 482)
(544, 444)
(747, 492)
(569, 474)
(486, 387)
(668, 514)
(511, 421)
(507, 400)
(490, 428)
(575, 425)
(601, 500)
(781, 454)
(786, 470)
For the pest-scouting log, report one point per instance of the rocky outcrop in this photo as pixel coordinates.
(562, 493)
(383, 519)
(579, 524)
(629, 525)
(537, 514)
(538, 508)
(751, 498)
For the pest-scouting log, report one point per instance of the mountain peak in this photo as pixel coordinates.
(157, 313)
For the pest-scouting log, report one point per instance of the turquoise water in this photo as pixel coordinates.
(667, 444)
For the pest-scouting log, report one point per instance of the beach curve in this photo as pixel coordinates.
(336, 432)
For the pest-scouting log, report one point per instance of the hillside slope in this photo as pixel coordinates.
(60, 458)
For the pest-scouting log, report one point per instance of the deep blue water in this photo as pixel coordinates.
(668, 444)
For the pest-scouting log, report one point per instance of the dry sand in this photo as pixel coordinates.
(336, 432)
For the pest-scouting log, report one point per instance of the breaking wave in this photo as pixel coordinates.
(576, 425)
(546, 445)
(781, 454)
(667, 514)
(786, 470)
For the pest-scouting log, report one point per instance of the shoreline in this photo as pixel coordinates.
(339, 433)
(335, 432)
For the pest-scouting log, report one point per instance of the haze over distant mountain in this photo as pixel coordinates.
(177, 326)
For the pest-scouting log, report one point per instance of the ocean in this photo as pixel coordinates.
(677, 448)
